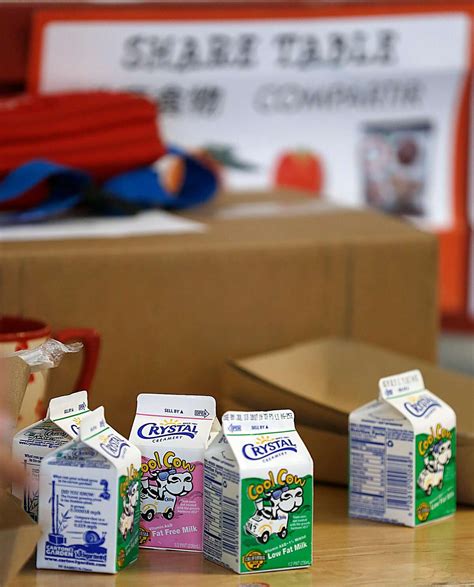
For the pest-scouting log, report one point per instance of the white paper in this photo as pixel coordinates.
(274, 209)
(145, 223)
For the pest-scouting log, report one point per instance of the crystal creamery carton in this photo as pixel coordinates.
(403, 454)
(258, 494)
(172, 432)
(33, 443)
(89, 507)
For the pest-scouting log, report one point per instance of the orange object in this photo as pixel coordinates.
(173, 176)
(453, 263)
(301, 170)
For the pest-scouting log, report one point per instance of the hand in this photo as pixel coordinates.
(11, 471)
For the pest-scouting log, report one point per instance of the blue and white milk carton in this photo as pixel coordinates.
(34, 442)
(89, 507)
(403, 454)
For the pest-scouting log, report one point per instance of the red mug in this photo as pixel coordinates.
(18, 333)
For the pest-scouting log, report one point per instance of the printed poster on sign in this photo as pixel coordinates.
(362, 108)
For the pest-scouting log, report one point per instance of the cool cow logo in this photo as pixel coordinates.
(436, 451)
(421, 406)
(266, 446)
(130, 494)
(114, 446)
(275, 498)
(166, 429)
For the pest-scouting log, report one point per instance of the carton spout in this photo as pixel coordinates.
(92, 424)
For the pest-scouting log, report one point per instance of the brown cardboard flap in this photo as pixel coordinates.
(18, 373)
(18, 537)
(18, 533)
(339, 375)
(322, 381)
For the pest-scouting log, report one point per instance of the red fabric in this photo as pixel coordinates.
(103, 133)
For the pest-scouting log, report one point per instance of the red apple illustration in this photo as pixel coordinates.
(301, 170)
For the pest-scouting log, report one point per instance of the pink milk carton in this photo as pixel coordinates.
(173, 432)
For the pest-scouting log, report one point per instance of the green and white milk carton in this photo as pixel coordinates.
(34, 442)
(89, 507)
(403, 454)
(258, 494)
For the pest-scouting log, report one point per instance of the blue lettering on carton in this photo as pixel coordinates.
(114, 446)
(423, 405)
(264, 448)
(91, 550)
(153, 430)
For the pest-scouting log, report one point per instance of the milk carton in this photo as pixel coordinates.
(403, 454)
(258, 493)
(34, 442)
(172, 432)
(90, 501)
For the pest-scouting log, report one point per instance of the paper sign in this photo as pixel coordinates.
(363, 108)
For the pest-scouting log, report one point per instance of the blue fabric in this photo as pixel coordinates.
(131, 191)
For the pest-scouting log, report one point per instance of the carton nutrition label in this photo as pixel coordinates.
(221, 534)
(381, 472)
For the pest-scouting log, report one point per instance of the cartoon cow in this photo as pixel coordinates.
(442, 452)
(282, 500)
(273, 519)
(169, 481)
(130, 500)
(285, 500)
(161, 497)
(439, 457)
(435, 462)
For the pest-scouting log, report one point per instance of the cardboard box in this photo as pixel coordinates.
(18, 533)
(397, 143)
(18, 537)
(172, 308)
(322, 381)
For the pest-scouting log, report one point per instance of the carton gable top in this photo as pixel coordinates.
(98, 435)
(17, 373)
(65, 409)
(257, 438)
(406, 393)
(184, 420)
(64, 412)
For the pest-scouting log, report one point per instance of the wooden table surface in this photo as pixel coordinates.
(346, 552)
